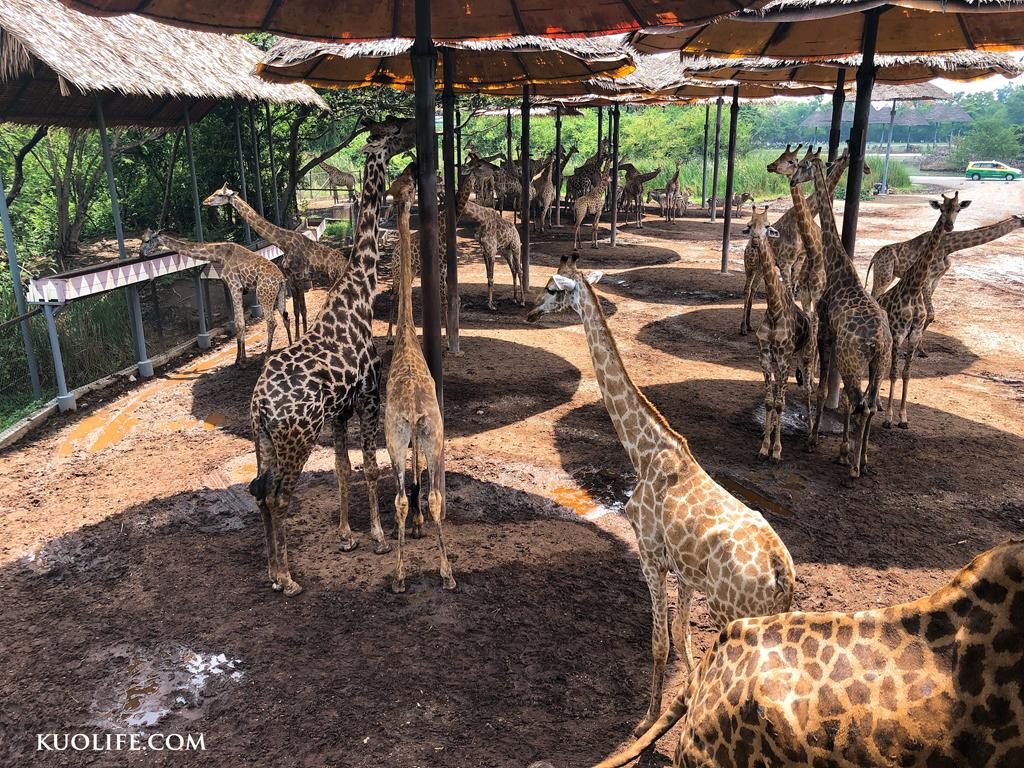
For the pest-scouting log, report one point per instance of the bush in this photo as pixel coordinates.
(990, 138)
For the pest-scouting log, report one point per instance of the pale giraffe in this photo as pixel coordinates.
(904, 302)
(240, 269)
(683, 520)
(633, 190)
(853, 332)
(935, 683)
(497, 236)
(339, 179)
(544, 192)
(672, 193)
(892, 261)
(412, 416)
(590, 202)
(301, 254)
(739, 199)
(330, 373)
(784, 338)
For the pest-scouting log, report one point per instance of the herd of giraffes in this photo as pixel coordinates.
(933, 682)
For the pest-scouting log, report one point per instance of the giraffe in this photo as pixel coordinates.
(301, 253)
(586, 176)
(932, 682)
(589, 202)
(330, 373)
(784, 334)
(544, 192)
(894, 260)
(339, 179)
(853, 332)
(904, 302)
(739, 199)
(496, 235)
(672, 192)
(683, 520)
(412, 414)
(240, 269)
(633, 189)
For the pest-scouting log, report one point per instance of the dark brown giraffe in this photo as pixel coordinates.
(330, 373)
(933, 683)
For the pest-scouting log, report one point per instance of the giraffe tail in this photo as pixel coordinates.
(669, 718)
(868, 273)
(782, 569)
(258, 487)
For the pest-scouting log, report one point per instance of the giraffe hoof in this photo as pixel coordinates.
(398, 586)
(347, 545)
(381, 547)
(491, 307)
(644, 725)
(292, 588)
(416, 532)
(903, 425)
(448, 583)
(887, 424)
(276, 586)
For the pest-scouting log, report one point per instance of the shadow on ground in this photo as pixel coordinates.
(679, 285)
(164, 612)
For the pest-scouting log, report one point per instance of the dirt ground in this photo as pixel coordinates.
(132, 560)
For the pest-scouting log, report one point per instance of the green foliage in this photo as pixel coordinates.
(990, 138)
(898, 180)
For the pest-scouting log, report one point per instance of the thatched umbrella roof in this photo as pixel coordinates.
(909, 118)
(910, 92)
(480, 65)
(876, 116)
(450, 19)
(53, 62)
(948, 113)
(824, 29)
(964, 65)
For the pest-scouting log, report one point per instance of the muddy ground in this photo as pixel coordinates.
(132, 560)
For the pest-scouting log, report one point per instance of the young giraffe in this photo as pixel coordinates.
(904, 302)
(633, 189)
(936, 683)
(739, 199)
(684, 521)
(339, 179)
(585, 177)
(672, 193)
(544, 192)
(894, 260)
(853, 332)
(301, 253)
(784, 336)
(412, 414)
(587, 203)
(496, 235)
(240, 269)
(328, 374)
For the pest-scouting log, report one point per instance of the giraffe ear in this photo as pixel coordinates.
(564, 260)
(772, 232)
(594, 277)
(964, 204)
(563, 283)
(935, 204)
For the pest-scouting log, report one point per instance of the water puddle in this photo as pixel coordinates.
(595, 493)
(752, 497)
(144, 689)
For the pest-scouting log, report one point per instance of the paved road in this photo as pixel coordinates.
(959, 182)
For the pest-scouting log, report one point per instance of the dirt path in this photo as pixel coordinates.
(132, 562)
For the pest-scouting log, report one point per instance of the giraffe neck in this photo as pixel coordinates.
(837, 263)
(968, 238)
(262, 227)
(775, 292)
(914, 279)
(363, 262)
(405, 320)
(642, 431)
(204, 251)
(805, 224)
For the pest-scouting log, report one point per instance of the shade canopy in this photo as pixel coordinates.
(909, 118)
(479, 65)
(825, 29)
(356, 20)
(948, 113)
(963, 66)
(909, 92)
(695, 90)
(53, 62)
(824, 119)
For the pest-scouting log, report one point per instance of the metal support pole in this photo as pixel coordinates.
(243, 187)
(19, 295)
(203, 339)
(734, 111)
(458, 138)
(65, 399)
(714, 172)
(508, 138)
(600, 126)
(145, 366)
(257, 163)
(835, 128)
(704, 160)
(424, 66)
(558, 165)
(888, 150)
(451, 214)
(613, 129)
(273, 166)
(524, 150)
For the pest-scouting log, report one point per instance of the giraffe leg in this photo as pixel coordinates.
(681, 624)
(749, 286)
(343, 469)
(781, 377)
(282, 579)
(597, 223)
(844, 446)
(282, 307)
(893, 364)
(239, 316)
(488, 249)
(417, 484)
(512, 259)
(824, 371)
(368, 408)
(397, 447)
(656, 578)
(911, 348)
(262, 486)
(434, 453)
(271, 327)
(769, 414)
(930, 310)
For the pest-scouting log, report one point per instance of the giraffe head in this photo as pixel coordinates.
(403, 188)
(562, 291)
(948, 209)
(220, 196)
(785, 164)
(151, 240)
(389, 137)
(758, 226)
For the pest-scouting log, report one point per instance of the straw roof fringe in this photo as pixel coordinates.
(133, 56)
(909, 92)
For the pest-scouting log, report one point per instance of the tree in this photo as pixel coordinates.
(990, 138)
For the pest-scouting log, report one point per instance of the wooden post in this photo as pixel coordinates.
(527, 180)
(508, 138)
(613, 129)
(888, 150)
(19, 295)
(424, 66)
(714, 172)
(704, 160)
(273, 165)
(734, 111)
(257, 164)
(835, 129)
(558, 165)
(600, 125)
(451, 215)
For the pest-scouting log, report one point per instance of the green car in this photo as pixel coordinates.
(990, 169)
